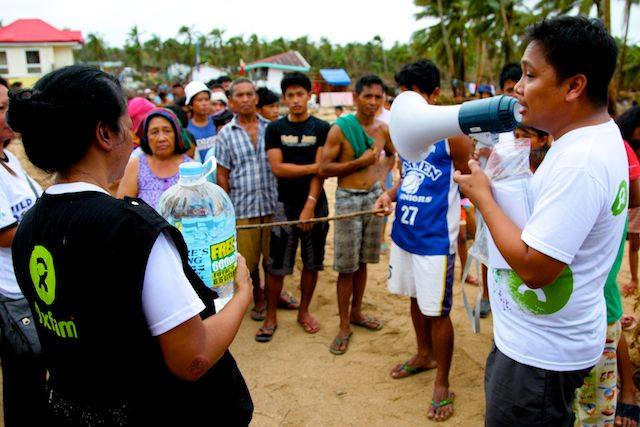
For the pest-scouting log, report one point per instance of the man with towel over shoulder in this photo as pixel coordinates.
(351, 152)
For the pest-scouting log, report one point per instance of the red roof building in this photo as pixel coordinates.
(30, 48)
(37, 31)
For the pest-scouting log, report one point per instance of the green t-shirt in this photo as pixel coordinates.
(611, 289)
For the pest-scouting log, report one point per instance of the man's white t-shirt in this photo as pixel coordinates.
(579, 211)
(17, 195)
(168, 299)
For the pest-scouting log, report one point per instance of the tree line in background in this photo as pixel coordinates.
(470, 40)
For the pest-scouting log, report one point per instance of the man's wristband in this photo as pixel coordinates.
(312, 198)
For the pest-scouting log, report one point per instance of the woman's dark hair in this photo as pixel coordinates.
(578, 45)
(628, 122)
(58, 117)
(423, 74)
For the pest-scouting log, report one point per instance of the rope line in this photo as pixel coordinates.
(309, 221)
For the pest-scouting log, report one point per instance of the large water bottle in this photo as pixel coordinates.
(203, 212)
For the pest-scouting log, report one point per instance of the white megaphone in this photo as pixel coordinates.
(416, 125)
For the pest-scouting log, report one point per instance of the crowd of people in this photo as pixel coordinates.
(558, 355)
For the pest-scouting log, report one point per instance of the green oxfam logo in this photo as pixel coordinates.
(43, 274)
(621, 199)
(546, 300)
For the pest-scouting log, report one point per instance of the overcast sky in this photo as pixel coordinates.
(342, 21)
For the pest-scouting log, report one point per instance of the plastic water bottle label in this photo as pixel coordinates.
(223, 261)
(211, 255)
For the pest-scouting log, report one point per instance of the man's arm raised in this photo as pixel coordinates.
(331, 151)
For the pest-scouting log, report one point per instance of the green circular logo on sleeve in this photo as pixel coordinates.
(542, 301)
(43, 274)
(620, 201)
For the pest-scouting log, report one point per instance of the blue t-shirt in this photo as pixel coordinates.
(427, 213)
(205, 137)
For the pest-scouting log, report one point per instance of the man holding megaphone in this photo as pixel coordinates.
(424, 235)
(549, 308)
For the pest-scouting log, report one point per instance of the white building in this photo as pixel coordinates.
(30, 48)
(268, 72)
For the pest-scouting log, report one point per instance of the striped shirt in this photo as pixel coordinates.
(252, 186)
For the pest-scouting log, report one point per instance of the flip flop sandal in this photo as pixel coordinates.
(437, 405)
(259, 315)
(334, 348)
(410, 370)
(626, 410)
(265, 333)
(370, 323)
(630, 320)
(287, 301)
(309, 328)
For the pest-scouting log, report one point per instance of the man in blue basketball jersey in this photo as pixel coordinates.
(424, 235)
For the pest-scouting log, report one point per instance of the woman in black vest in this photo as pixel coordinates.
(127, 329)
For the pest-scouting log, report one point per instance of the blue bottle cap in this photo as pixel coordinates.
(190, 169)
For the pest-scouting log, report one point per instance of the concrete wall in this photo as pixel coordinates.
(51, 57)
(63, 56)
(274, 77)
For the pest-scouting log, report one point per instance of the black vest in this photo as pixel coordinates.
(80, 261)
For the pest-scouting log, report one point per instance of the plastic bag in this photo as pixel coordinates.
(509, 160)
(510, 173)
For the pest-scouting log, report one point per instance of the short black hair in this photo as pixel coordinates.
(224, 79)
(266, 97)
(369, 80)
(4, 82)
(511, 71)
(530, 129)
(628, 122)
(423, 74)
(578, 45)
(59, 116)
(176, 84)
(295, 78)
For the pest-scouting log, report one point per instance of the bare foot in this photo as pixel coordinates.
(442, 404)
(413, 366)
(308, 323)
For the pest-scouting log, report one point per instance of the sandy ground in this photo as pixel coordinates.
(295, 381)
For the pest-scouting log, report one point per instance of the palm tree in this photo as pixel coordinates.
(133, 48)
(438, 39)
(94, 49)
(623, 51)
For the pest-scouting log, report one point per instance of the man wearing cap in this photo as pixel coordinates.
(201, 126)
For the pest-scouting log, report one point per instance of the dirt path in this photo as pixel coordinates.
(295, 381)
